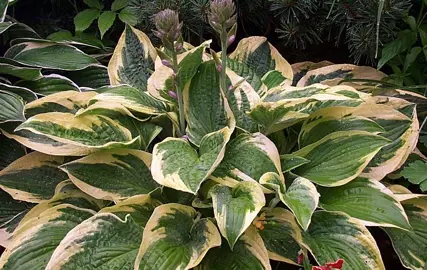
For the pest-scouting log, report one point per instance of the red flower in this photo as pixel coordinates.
(330, 266)
(300, 257)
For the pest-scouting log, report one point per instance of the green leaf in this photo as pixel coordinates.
(133, 59)
(105, 21)
(25, 73)
(113, 175)
(206, 110)
(26, 94)
(33, 177)
(247, 158)
(367, 200)
(10, 150)
(281, 234)
(290, 162)
(423, 37)
(79, 135)
(3, 9)
(11, 211)
(97, 4)
(12, 107)
(4, 26)
(339, 157)
(139, 207)
(301, 197)
(416, 173)
(84, 19)
(249, 253)
(94, 76)
(411, 57)
(50, 55)
(119, 4)
(273, 78)
(34, 242)
(127, 16)
(176, 238)
(49, 84)
(235, 208)
(334, 235)
(115, 241)
(176, 164)
(410, 245)
(404, 41)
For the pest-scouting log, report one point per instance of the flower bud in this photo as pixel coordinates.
(168, 25)
(172, 94)
(179, 47)
(222, 14)
(166, 63)
(219, 68)
(231, 40)
(185, 137)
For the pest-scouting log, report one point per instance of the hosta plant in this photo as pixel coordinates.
(196, 159)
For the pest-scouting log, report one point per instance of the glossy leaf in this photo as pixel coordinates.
(49, 84)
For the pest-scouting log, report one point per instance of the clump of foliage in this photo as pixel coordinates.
(180, 157)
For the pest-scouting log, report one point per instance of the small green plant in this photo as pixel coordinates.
(187, 158)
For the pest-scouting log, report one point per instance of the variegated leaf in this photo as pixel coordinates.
(176, 238)
(301, 68)
(206, 109)
(113, 174)
(49, 84)
(11, 212)
(12, 107)
(114, 241)
(132, 60)
(248, 253)
(235, 208)
(49, 55)
(335, 235)
(367, 200)
(301, 197)
(94, 76)
(34, 242)
(10, 150)
(281, 234)
(339, 157)
(333, 74)
(66, 102)
(140, 208)
(247, 158)
(290, 162)
(33, 177)
(411, 245)
(26, 94)
(82, 135)
(176, 164)
(258, 55)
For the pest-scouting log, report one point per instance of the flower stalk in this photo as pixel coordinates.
(169, 32)
(222, 17)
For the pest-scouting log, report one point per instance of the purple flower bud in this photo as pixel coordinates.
(222, 12)
(231, 39)
(230, 87)
(179, 47)
(172, 94)
(185, 137)
(219, 68)
(166, 63)
(168, 25)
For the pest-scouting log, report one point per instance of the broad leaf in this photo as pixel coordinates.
(85, 133)
(301, 197)
(49, 84)
(248, 253)
(112, 239)
(10, 150)
(46, 231)
(176, 238)
(113, 175)
(132, 60)
(105, 21)
(235, 208)
(247, 158)
(94, 76)
(176, 164)
(411, 245)
(84, 19)
(25, 73)
(367, 200)
(11, 211)
(416, 173)
(140, 208)
(50, 55)
(339, 157)
(290, 162)
(12, 107)
(206, 109)
(403, 42)
(26, 94)
(281, 234)
(33, 177)
(334, 235)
